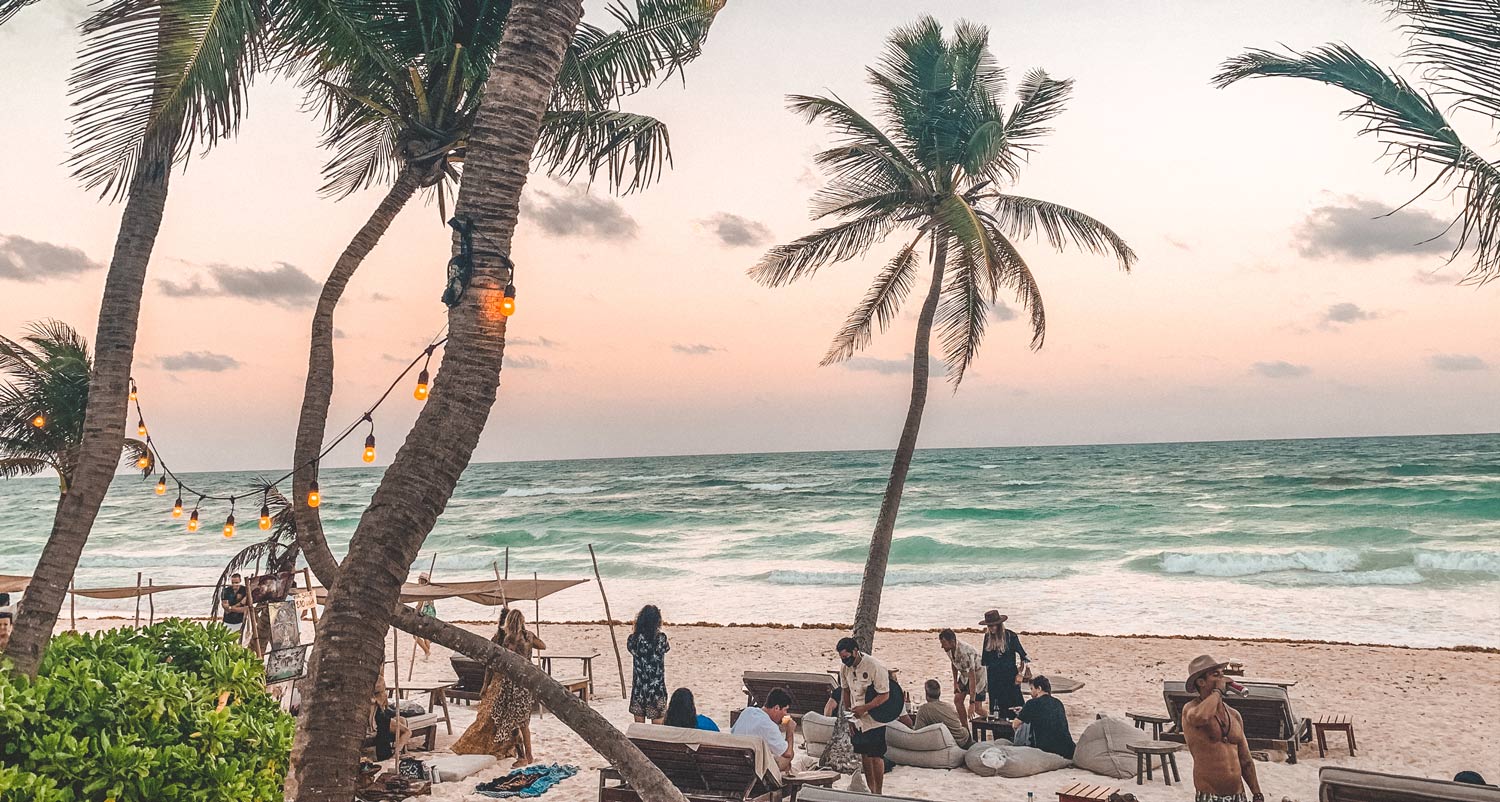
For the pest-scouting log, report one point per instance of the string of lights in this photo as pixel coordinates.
(155, 460)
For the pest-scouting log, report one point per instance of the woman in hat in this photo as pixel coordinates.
(1003, 656)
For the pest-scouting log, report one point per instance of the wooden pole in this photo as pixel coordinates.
(72, 606)
(536, 590)
(507, 562)
(307, 580)
(504, 602)
(137, 624)
(151, 601)
(619, 664)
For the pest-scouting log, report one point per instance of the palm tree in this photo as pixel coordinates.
(933, 165)
(154, 79)
(419, 482)
(1456, 46)
(400, 84)
(42, 404)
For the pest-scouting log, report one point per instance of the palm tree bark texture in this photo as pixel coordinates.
(418, 484)
(104, 422)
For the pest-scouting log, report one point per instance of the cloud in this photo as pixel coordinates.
(524, 362)
(527, 342)
(1358, 229)
(887, 367)
(284, 285)
(694, 349)
(1177, 243)
(206, 361)
(574, 212)
(338, 334)
(1002, 312)
(380, 297)
(1434, 277)
(1346, 313)
(23, 259)
(1279, 370)
(736, 231)
(1454, 363)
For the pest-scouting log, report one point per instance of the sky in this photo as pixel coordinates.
(1272, 297)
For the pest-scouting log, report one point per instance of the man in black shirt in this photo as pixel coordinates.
(1048, 720)
(235, 600)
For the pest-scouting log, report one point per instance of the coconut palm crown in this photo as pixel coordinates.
(42, 402)
(1456, 46)
(934, 162)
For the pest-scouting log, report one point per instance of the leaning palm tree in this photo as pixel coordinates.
(1456, 46)
(933, 163)
(400, 84)
(43, 398)
(155, 78)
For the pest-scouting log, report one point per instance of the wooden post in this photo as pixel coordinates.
(72, 606)
(307, 580)
(504, 602)
(619, 664)
(507, 562)
(137, 624)
(151, 601)
(536, 591)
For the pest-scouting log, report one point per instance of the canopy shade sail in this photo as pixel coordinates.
(16, 584)
(489, 592)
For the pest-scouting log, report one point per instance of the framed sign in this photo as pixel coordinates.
(286, 664)
(284, 630)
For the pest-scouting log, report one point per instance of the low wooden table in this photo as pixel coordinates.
(985, 729)
(1156, 722)
(1162, 749)
(796, 782)
(545, 661)
(1084, 792)
(1334, 723)
(437, 696)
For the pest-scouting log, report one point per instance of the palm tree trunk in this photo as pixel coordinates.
(318, 392)
(348, 653)
(104, 417)
(873, 583)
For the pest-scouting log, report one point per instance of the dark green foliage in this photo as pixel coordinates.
(132, 716)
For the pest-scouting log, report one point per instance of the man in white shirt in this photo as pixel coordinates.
(969, 674)
(867, 680)
(772, 724)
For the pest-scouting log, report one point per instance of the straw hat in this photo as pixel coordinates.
(994, 617)
(1202, 664)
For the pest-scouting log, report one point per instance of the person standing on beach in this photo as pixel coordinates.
(865, 678)
(970, 680)
(648, 648)
(1215, 736)
(427, 610)
(1003, 658)
(511, 711)
(6, 624)
(234, 600)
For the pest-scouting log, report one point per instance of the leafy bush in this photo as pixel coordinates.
(135, 716)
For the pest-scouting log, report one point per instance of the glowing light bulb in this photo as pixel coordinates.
(143, 463)
(229, 526)
(39, 421)
(193, 522)
(370, 448)
(421, 392)
(265, 517)
(161, 486)
(508, 303)
(314, 498)
(177, 508)
(140, 427)
(132, 391)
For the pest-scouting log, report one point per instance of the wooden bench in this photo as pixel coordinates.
(701, 771)
(1333, 723)
(470, 682)
(1165, 750)
(1270, 722)
(1084, 792)
(1338, 784)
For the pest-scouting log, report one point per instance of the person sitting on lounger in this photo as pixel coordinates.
(937, 711)
(772, 724)
(391, 732)
(1215, 736)
(682, 711)
(6, 624)
(1048, 719)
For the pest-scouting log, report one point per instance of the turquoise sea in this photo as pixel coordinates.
(1390, 540)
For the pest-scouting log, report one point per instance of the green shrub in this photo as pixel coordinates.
(133, 716)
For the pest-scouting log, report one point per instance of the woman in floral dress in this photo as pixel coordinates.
(648, 651)
(511, 710)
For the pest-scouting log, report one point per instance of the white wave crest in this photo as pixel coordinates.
(1405, 575)
(852, 579)
(777, 487)
(659, 477)
(514, 492)
(1481, 562)
(1240, 563)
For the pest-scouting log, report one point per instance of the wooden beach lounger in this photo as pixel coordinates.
(471, 678)
(1270, 722)
(1337, 784)
(809, 691)
(833, 795)
(703, 765)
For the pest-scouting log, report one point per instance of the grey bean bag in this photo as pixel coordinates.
(1102, 748)
(1003, 759)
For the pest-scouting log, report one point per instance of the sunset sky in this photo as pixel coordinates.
(1268, 301)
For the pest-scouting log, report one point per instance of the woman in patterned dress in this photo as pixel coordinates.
(480, 738)
(648, 651)
(511, 711)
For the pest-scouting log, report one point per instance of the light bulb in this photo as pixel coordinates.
(132, 391)
(140, 427)
(265, 517)
(421, 392)
(39, 421)
(370, 448)
(314, 498)
(193, 522)
(229, 526)
(177, 508)
(143, 463)
(508, 303)
(161, 486)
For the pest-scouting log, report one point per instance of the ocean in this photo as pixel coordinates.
(1377, 540)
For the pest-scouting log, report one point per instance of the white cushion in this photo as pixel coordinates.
(1102, 748)
(1023, 761)
(452, 768)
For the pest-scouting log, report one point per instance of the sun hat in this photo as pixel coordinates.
(1202, 664)
(994, 617)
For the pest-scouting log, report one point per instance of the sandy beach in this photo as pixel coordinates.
(1420, 712)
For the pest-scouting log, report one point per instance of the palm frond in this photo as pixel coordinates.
(1021, 217)
(1411, 126)
(962, 308)
(132, 451)
(157, 78)
(655, 40)
(784, 264)
(880, 305)
(631, 150)
(1459, 42)
(1014, 274)
(12, 467)
(1039, 100)
(8, 8)
(864, 153)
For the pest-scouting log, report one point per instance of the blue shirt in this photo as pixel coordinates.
(706, 723)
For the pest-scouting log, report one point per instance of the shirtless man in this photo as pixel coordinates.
(1215, 737)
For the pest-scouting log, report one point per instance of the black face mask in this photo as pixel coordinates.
(848, 661)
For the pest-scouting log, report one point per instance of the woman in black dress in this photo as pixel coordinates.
(648, 653)
(1003, 658)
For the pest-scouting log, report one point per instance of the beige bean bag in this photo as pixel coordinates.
(931, 747)
(1002, 759)
(1102, 748)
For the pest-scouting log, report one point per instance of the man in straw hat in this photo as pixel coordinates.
(1215, 737)
(1003, 657)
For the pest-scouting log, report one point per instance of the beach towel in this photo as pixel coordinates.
(528, 782)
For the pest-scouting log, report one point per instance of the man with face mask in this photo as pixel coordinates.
(867, 686)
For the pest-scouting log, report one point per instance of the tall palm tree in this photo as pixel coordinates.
(155, 78)
(933, 163)
(419, 482)
(1456, 46)
(42, 404)
(400, 84)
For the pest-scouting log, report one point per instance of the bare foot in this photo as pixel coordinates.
(521, 761)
